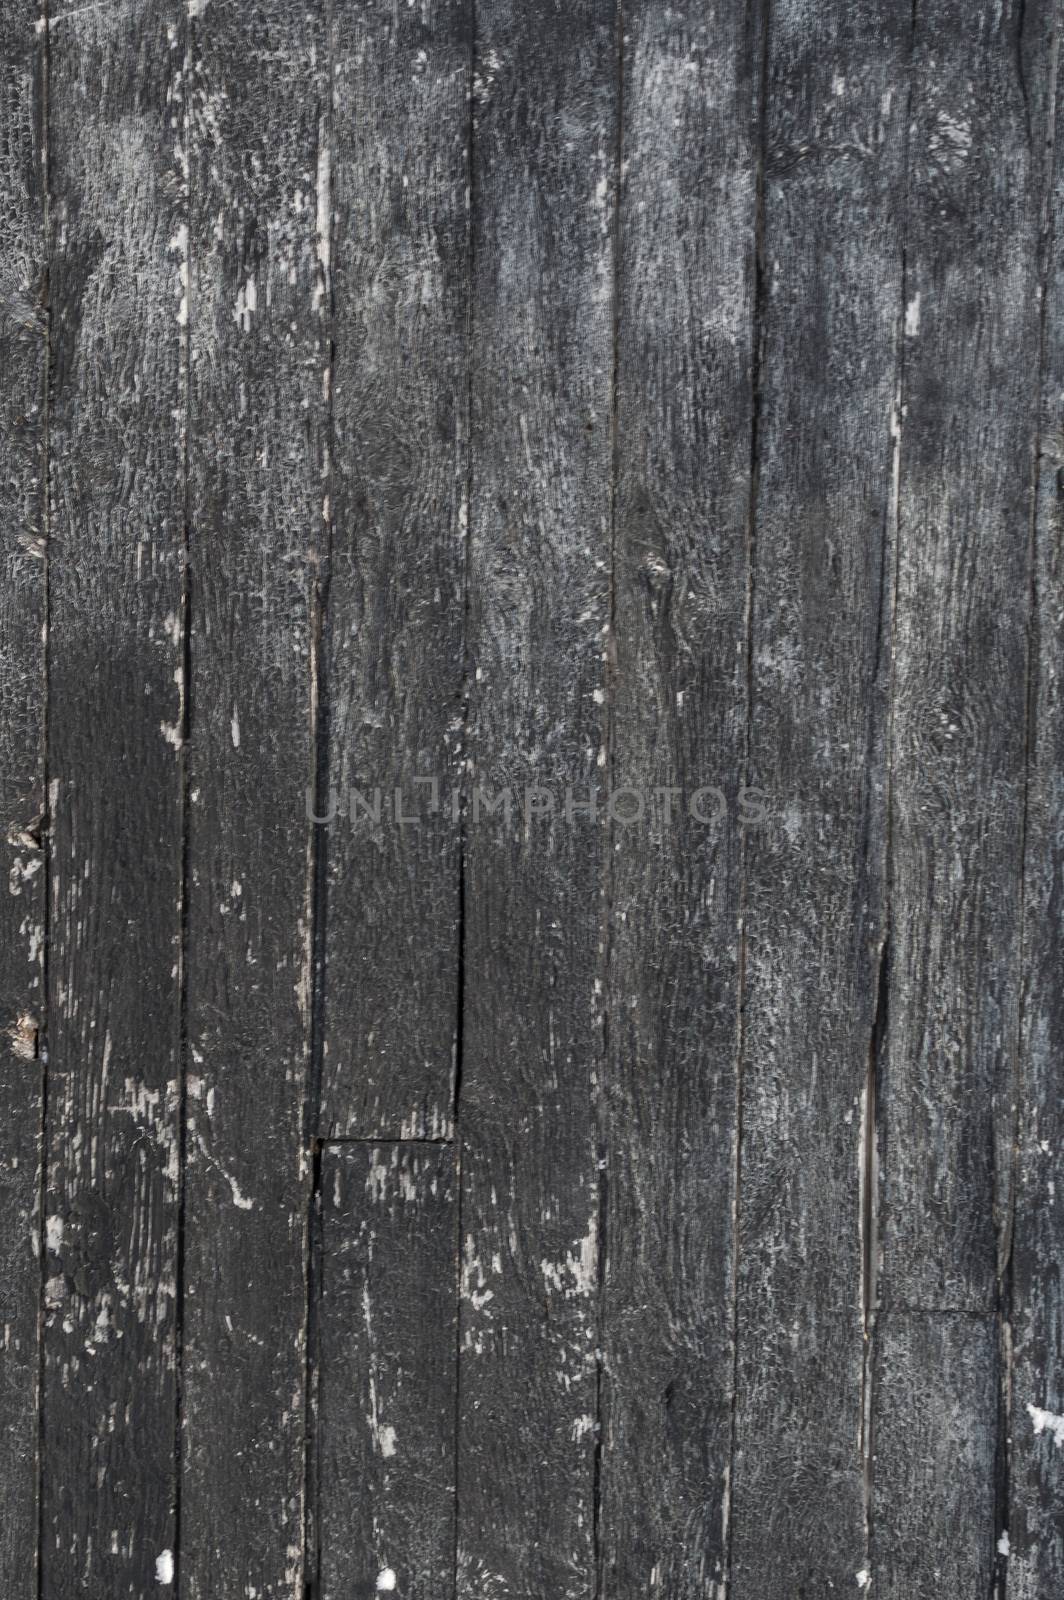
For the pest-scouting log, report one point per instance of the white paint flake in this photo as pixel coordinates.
(385, 1580)
(912, 317)
(578, 1272)
(246, 303)
(164, 1563)
(240, 1200)
(234, 728)
(323, 220)
(864, 1579)
(1003, 1544)
(179, 247)
(1047, 1422)
(23, 1037)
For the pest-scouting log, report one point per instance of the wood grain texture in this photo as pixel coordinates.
(685, 410)
(387, 1352)
(259, 204)
(1036, 1392)
(486, 407)
(933, 1505)
(948, 1112)
(969, 396)
(115, 540)
(960, 709)
(544, 153)
(399, 484)
(23, 356)
(814, 918)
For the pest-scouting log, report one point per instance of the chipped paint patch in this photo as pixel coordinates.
(1047, 1422)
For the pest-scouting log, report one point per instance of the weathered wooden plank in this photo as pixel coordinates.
(399, 470)
(948, 1115)
(685, 409)
(259, 164)
(814, 922)
(932, 1521)
(115, 578)
(544, 156)
(386, 1370)
(23, 291)
(1035, 1527)
(971, 355)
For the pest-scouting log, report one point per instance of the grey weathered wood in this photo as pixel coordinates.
(398, 487)
(544, 150)
(970, 365)
(259, 165)
(1035, 1390)
(115, 541)
(814, 920)
(386, 1365)
(933, 1505)
(433, 459)
(23, 291)
(685, 412)
(969, 398)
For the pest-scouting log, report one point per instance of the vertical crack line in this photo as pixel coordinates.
(872, 1131)
(320, 616)
(464, 767)
(312, 1397)
(759, 52)
(321, 556)
(611, 676)
(465, 522)
(43, 70)
(184, 776)
(1005, 1286)
(869, 1219)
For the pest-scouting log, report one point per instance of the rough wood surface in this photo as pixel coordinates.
(933, 1507)
(1035, 1396)
(969, 396)
(949, 1085)
(686, 280)
(503, 405)
(115, 535)
(542, 195)
(258, 168)
(398, 492)
(23, 354)
(386, 1358)
(814, 919)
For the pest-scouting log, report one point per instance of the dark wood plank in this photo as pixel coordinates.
(932, 1522)
(948, 1091)
(23, 354)
(400, 277)
(544, 144)
(1034, 1540)
(260, 206)
(685, 408)
(386, 1368)
(814, 921)
(115, 697)
(971, 359)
